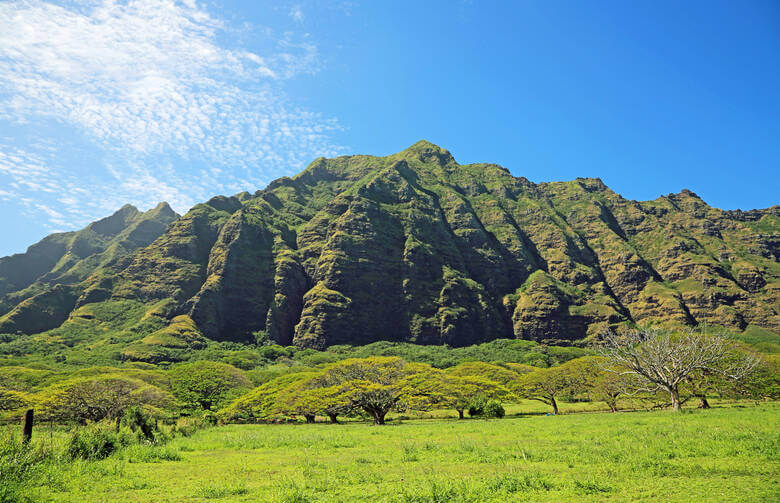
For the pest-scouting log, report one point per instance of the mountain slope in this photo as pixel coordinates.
(415, 247)
(51, 268)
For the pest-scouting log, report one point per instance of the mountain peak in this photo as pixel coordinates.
(126, 209)
(689, 193)
(425, 145)
(163, 208)
(114, 223)
(424, 151)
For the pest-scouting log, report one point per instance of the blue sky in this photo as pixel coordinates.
(104, 103)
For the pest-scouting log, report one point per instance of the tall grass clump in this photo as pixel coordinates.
(97, 441)
(140, 423)
(21, 467)
(187, 426)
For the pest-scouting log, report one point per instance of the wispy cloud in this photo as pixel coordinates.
(296, 13)
(172, 108)
(43, 188)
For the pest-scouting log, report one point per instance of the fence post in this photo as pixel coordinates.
(28, 426)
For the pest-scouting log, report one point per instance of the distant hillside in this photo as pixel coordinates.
(411, 247)
(44, 272)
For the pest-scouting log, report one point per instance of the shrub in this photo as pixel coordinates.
(493, 408)
(274, 351)
(96, 441)
(139, 422)
(482, 406)
(209, 418)
(477, 406)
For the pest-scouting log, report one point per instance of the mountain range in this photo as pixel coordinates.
(410, 247)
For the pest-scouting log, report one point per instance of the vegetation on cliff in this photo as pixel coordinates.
(411, 247)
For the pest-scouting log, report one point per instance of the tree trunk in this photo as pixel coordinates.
(613, 401)
(118, 421)
(333, 418)
(703, 403)
(460, 413)
(379, 417)
(675, 394)
(309, 418)
(28, 426)
(554, 405)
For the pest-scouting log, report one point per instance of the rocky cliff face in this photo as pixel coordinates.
(415, 247)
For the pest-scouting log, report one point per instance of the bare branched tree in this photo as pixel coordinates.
(662, 360)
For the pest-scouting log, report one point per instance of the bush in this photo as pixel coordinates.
(477, 406)
(274, 351)
(209, 418)
(481, 406)
(139, 422)
(494, 409)
(97, 441)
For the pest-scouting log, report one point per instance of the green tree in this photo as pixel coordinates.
(763, 383)
(547, 385)
(459, 392)
(608, 387)
(99, 397)
(518, 368)
(306, 398)
(204, 385)
(262, 401)
(11, 399)
(498, 373)
(377, 384)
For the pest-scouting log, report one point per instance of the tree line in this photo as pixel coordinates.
(656, 368)
(660, 368)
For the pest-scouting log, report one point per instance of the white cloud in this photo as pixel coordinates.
(150, 83)
(45, 189)
(297, 13)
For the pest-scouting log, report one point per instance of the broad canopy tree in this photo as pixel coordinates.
(373, 385)
(11, 399)
(548, 385)
(99, 397)
(305, 398)
(263, 402)
(459, 392)
(504, 375)
(204, 385)
(376, 385)
(609, 387)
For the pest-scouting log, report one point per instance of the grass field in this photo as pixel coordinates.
(723, 454)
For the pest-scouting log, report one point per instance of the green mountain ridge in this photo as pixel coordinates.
(52, 266)
(410, 247)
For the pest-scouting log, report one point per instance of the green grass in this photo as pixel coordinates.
(723, 454)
